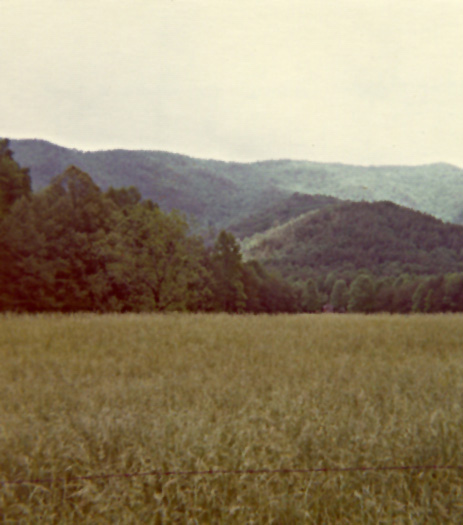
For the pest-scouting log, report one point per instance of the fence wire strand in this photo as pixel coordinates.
(222, 472)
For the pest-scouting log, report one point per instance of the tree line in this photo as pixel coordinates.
(366, 293)
(72, 247)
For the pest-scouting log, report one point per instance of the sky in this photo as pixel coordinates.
(352, 81)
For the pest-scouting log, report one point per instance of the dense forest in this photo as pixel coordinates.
(72, 246)
(381, 237)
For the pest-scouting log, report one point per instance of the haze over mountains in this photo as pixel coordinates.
(222, 194)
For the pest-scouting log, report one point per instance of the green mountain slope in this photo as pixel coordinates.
(279, 213)
(435, 188)
(203, 189)
(223, 193)
(382, 237)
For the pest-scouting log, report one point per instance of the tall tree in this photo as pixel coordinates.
(329, 282)
(312, 301)
(152, 263)
(454, 292)
(419, 297)
(361, 294)
(340, 295)
(50, 243)
(14, 180)
(384, 295)
(227, 269)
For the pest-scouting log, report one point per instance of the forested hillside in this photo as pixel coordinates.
(72, 246)
(382, 237)
(219, 193)
(279, 213)
(213, 193)
(433, 188)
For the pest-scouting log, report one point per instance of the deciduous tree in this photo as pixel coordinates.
(361, 294)
(340, 295)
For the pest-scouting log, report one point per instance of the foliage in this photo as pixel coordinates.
(227, 271)
(49, 246)
(14, 180)
(361, 295)
(152, 263)
(381, 237)
(312, 302)
(453, 289)
(71, 247)
(339, 296)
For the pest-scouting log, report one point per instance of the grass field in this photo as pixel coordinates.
(86, 394)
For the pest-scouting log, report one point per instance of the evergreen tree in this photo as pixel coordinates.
(14, 180)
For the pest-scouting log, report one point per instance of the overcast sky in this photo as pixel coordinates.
(353, 81)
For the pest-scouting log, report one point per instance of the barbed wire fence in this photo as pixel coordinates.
(231, 472)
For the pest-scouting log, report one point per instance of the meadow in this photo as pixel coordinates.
(86, 395)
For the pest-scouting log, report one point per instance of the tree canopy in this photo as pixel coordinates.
(73, 247)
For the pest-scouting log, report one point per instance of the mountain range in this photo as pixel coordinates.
(217, 193)
(298, 217)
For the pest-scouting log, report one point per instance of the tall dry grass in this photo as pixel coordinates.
(88, 394)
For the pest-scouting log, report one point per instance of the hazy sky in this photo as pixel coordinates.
(354, 81)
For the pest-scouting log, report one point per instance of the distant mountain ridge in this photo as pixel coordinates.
(220, 194)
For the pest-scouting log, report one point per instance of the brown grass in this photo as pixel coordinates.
(87, 394)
